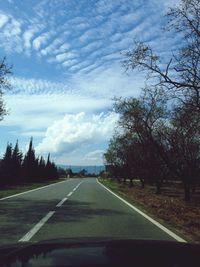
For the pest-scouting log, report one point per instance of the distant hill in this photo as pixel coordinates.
(90, 169)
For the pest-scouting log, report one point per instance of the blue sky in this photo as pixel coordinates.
(66, 58)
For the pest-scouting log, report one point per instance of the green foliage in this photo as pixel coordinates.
(16, 169)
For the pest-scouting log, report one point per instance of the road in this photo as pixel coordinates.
(72, 208)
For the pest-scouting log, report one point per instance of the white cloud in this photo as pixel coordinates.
(12, 28)
(65, 56)
(77, 131)
(81, 26)
(94, 157)
(29, 35)
(3, 19)
(84, 46)
(108, 82)
(33, 133)
(38, 111)
(41, 40)
(89, 34)
(51, 49)
(10, 34)
(37, 86)
(70, 62)
(111, 28)
(92, 46)
(64, 47)
(104, 6)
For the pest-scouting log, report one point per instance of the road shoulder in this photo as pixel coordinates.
(13, 191)
(115, 189)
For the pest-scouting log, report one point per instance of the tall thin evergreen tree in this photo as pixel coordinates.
(6, 166)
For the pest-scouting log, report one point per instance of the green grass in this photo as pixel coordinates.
(12, 190)
(110, 184)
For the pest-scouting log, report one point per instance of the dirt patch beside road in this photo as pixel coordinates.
(172, 211)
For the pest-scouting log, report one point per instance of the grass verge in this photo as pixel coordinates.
(180, 217)
(12, 190)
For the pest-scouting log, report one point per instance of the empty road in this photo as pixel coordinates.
(73, 208)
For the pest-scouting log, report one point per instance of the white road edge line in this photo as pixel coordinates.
(61, 202)
(169, 232)
(36, 228)
(32, 190)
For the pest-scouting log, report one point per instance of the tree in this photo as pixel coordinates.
(173, 140)
(16, 169)
(69, 172)
(6, 167)
(64, 173)
(113, 160)
(185, 146)
(41, 169)
(82, 173)
(181, 76)
(140, 119)
(51, 171)
(30, 164)
(153, 143)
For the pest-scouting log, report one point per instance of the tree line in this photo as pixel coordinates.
(157, 137)
(16, 168)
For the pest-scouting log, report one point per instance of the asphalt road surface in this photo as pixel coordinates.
(70, 209)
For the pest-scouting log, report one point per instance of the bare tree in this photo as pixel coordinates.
(140, 120)
(181, 74)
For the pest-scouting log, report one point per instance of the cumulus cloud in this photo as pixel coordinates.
(76, 131)
(38, 112)
(78, 44)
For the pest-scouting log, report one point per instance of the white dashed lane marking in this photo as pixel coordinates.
(37, 227)
(61, 202)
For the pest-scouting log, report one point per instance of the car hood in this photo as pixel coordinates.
(100, 252)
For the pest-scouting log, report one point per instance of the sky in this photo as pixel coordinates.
(66, 57)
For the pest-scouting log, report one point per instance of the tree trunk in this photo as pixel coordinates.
(158, 187)
(193, 188)
(142, 182)
(187, 191)
(131, 183)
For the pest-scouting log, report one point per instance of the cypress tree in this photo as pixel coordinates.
(6, 166)
(17, 164)
(51, 170)
(41, 169)
(30, 164)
